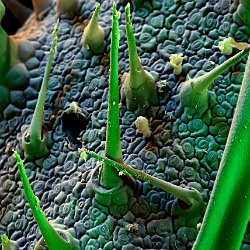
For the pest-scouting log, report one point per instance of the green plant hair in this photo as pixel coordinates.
(188, 195)
(138, 88)
(50, 235)
(34, 142)
(94, 19)
(109, 176)
(37, 120)
(194, 92)
(136, 70)
(228, 211)
(93, 34)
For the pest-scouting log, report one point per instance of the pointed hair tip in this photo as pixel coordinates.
(114, 8)
(98, 7)
(127, 11)
(15, 153)
(127, 6)
(57, 22)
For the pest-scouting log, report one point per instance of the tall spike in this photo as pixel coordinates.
(52, 238)
(36, 123)
(34, 142)
(109, 176)
(136, 70)
(138, 88)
